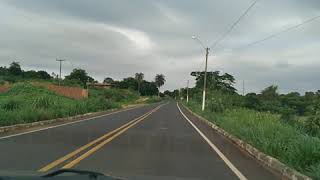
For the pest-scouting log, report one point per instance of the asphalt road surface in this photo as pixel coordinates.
(159, 141)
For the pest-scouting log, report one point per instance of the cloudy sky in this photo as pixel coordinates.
(120, 37)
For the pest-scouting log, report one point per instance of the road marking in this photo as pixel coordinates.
(51, 127)
(70, 155)
(97, 147)
(221, 155)
(77, 151)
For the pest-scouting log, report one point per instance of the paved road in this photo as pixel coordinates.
(151, 142)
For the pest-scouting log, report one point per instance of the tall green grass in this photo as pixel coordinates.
(25, 103)
(268, 133)
(154, 99)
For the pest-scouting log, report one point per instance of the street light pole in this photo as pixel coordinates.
(188, 91)
(205, 81)
(205, 72)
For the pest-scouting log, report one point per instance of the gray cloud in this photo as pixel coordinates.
(119, 38)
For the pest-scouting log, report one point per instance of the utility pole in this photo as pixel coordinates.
(188, 91)
(242, 87)
(60, 61)
(205, 80)
(206, 48)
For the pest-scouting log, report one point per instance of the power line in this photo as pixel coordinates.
(283, 31)
(233, 25)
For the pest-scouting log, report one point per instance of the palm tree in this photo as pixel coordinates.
(139, 77)
(159, 80)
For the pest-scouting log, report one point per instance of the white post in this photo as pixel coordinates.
(205, 81)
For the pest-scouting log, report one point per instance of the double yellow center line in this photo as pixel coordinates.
(96, 144)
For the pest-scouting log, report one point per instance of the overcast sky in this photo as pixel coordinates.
(121, 37)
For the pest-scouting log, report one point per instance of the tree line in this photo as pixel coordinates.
(79, 77)
(222, 95)
(137, 83)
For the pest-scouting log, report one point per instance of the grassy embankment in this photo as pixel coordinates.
(25, 103)
(268, 133)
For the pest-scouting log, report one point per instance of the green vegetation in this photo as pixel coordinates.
(268, 133)
(79, 78)
(159, 81)
(154, 99)
(26, 103)
(284, 126)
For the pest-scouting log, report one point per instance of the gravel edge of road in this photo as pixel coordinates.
(268, 161)
(26, 126)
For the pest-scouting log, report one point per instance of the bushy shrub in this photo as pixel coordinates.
(287, 115)
(216, 105)
(312, 124)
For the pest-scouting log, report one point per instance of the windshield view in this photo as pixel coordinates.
(146, 89)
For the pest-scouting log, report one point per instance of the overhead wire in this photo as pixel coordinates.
(233, 25)
(283, 31)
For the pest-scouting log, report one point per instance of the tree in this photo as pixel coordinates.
(108, 80)
(54, 75)
(128, 83)
(80, 75)
(270, 93)
(252, 101)
(43, 75)
(139, 77)
(295, 102)
(167, 93)
(270, 99)
(159, 80)
(148, 88)
(30, 74)
(3, 71)
(15, 69)
(215, 81)
(36, 75)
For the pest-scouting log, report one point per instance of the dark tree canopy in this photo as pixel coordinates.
(3, 71)
(148, 88)
(80, 75)
(270, 93)
(43, 75)
(159, 80)
(128, 83)
(108, 80)
(15, 69)
(139, 78)
(215, 81)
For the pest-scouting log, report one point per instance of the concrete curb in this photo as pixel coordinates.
(6, 129)
(270, 162)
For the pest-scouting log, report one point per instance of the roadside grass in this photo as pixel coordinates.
(154, 99)
(268, 133)
(25, 103)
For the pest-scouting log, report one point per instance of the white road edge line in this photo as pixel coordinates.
(51, 127)
(222, 156)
